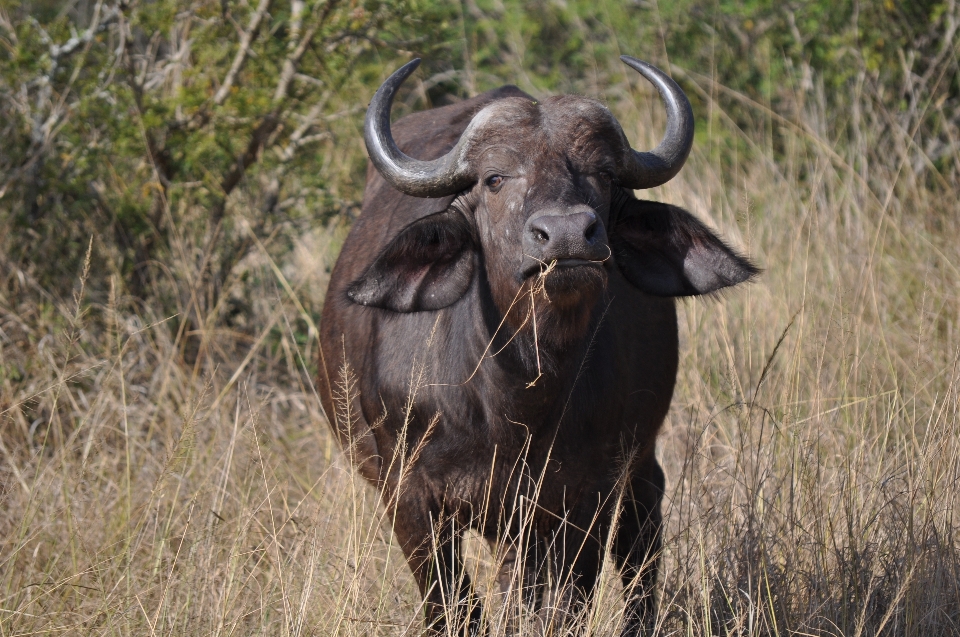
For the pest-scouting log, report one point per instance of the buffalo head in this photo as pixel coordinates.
(543, 204)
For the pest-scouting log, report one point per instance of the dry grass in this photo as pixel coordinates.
(811, 453)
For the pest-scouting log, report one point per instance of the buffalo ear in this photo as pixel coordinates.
(428, 266)
(665, 251)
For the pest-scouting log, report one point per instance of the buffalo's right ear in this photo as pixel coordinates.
(665, 251)
(428, 266)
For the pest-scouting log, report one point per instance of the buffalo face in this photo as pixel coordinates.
(541, 203)
(544, 210)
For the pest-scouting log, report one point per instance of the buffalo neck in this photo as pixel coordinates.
(533, 371)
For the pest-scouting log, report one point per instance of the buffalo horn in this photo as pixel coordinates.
(438, 178)
(660, 165)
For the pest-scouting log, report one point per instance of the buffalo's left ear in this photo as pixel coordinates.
(428, 266)
(665, 251)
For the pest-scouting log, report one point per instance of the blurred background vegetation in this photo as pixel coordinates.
(176, 178)
(168, 128)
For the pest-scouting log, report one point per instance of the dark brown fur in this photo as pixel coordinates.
(568, 415)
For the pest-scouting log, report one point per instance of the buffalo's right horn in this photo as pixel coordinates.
(438, 178)
(660, 165)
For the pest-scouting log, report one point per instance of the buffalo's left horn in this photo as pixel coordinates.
(660, 165)
(444, 176)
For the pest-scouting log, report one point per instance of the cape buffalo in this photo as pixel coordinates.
(499, 338)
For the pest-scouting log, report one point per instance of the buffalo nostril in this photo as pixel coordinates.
(591, 231)
(540, 236)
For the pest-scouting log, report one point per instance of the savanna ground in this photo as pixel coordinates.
(165, 467)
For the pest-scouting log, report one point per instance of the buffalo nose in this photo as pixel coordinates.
(562, 231)
(574, 235)
(569, 238)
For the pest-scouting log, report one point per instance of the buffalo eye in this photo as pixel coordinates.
(494, 182)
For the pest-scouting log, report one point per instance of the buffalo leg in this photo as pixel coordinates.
(431, 544)
(636, 547)
(575, 556)
(523, 568)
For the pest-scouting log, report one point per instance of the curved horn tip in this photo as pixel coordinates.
(643, 68)
(656, 167)
(398, 77)
(404, 71)
(629, 59)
